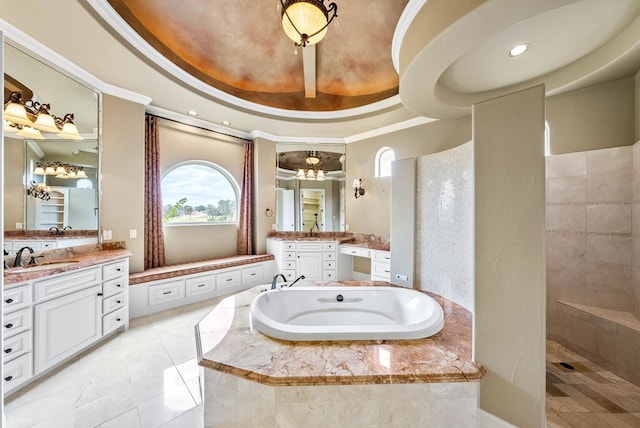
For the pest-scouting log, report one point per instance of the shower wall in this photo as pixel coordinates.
(589, 212)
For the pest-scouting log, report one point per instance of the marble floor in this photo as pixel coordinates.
(583, 394)
(144, 377)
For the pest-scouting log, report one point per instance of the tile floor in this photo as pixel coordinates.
(144, 377)
(586, 395)
(148, 377)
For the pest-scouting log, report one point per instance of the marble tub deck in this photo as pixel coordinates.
(227, 343)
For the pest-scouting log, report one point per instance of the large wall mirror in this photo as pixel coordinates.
(310, 187)
(51, 178)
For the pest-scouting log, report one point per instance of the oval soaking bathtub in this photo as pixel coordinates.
(346, 313)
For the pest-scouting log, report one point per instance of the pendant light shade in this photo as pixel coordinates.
(306, 21)
(16, 113)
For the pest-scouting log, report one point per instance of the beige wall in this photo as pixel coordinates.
(122, 170)
(509, 327)
(637, 106)
(265, 191)
(181, 143)
(596, 117)
(371, 212)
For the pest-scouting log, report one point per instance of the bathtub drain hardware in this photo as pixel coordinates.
(567, 366)
(339, 298)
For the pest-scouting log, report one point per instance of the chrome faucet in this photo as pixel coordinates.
(275, 278)
(66, 228)
(54, 230)
(296, 280)
(18, 261)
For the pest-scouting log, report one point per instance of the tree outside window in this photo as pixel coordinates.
(199, 192)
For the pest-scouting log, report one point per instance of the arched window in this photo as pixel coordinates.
(384, 157)
(199, 192)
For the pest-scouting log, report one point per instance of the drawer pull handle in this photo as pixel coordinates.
(100, 294)
(387, 258)
(200, 285)
(167, 292)
(8, 325)
(119, 286)
(118, 302)
(118, 319)
(229, 279)
(8, 350)
(253, 274)
(8, 378)
(387, 271)
(118, 269)
(9, 301)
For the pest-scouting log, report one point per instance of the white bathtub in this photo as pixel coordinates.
(346, 313)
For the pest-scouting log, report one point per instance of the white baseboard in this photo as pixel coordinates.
(488, 420)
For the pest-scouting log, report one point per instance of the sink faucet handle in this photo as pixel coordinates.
(33, 260)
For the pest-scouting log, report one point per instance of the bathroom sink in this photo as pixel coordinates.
(42, 266)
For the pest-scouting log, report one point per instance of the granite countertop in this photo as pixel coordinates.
(82, 257)
(226, 342)
(368, 245)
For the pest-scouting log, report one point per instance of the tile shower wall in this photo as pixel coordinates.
(635, 230)
(589, 231)
(444, 224)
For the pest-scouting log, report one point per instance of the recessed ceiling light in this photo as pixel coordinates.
(192, 112)
(518, 50)
(226, 123)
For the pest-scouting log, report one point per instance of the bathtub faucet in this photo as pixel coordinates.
(275, 278)
(296, 280)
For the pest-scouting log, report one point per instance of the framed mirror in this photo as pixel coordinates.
(310, 187)
(68, 195)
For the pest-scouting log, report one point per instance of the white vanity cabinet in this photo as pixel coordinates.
(17, 336)
(51, 319)
(316, 260)
(380, 265)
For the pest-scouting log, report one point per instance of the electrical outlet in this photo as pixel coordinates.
(346, 227)
(19, 226)
(106, 235)
(133, 233)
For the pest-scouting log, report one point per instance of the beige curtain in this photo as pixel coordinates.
(245, 222)
(153, 234)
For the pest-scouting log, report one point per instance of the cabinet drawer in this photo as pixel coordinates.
(201, 284)
(114, 286)
(35, 245)
(309, 246)
(252, 275)
(16, 298)
(16, 345)
(290, 265)
(328, 275)
(65, 284)
(354, 251)
(16, 372)
(166, 292)
(115, 302)
(328, 265)
(114, 270)
(380, 269)
(228, 279)
(289, 246)
(114, 320)
(48, 245)
(381, 256)
(329, 246)
(290, 255)
(289, 274)
(329, 255)
(16, 322)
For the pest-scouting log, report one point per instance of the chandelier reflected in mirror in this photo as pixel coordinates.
(314, 168)
(306, 21)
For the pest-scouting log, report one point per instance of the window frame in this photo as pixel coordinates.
(232, 181)
(378, 157)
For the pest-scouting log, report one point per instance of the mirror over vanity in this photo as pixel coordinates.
(310, 187)
(51, 173)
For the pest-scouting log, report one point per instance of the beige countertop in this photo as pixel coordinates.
(227, 343)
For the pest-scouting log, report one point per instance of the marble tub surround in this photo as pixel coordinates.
(227, 343)
(174, 271)
(82, 256)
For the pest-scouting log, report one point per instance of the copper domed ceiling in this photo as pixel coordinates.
(239, 47)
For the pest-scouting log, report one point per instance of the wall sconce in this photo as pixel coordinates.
(38, 190)
(357, 187)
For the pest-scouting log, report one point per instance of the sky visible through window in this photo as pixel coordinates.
(202, 185)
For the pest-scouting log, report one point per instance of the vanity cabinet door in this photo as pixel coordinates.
(310, 265)
(66, 325)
